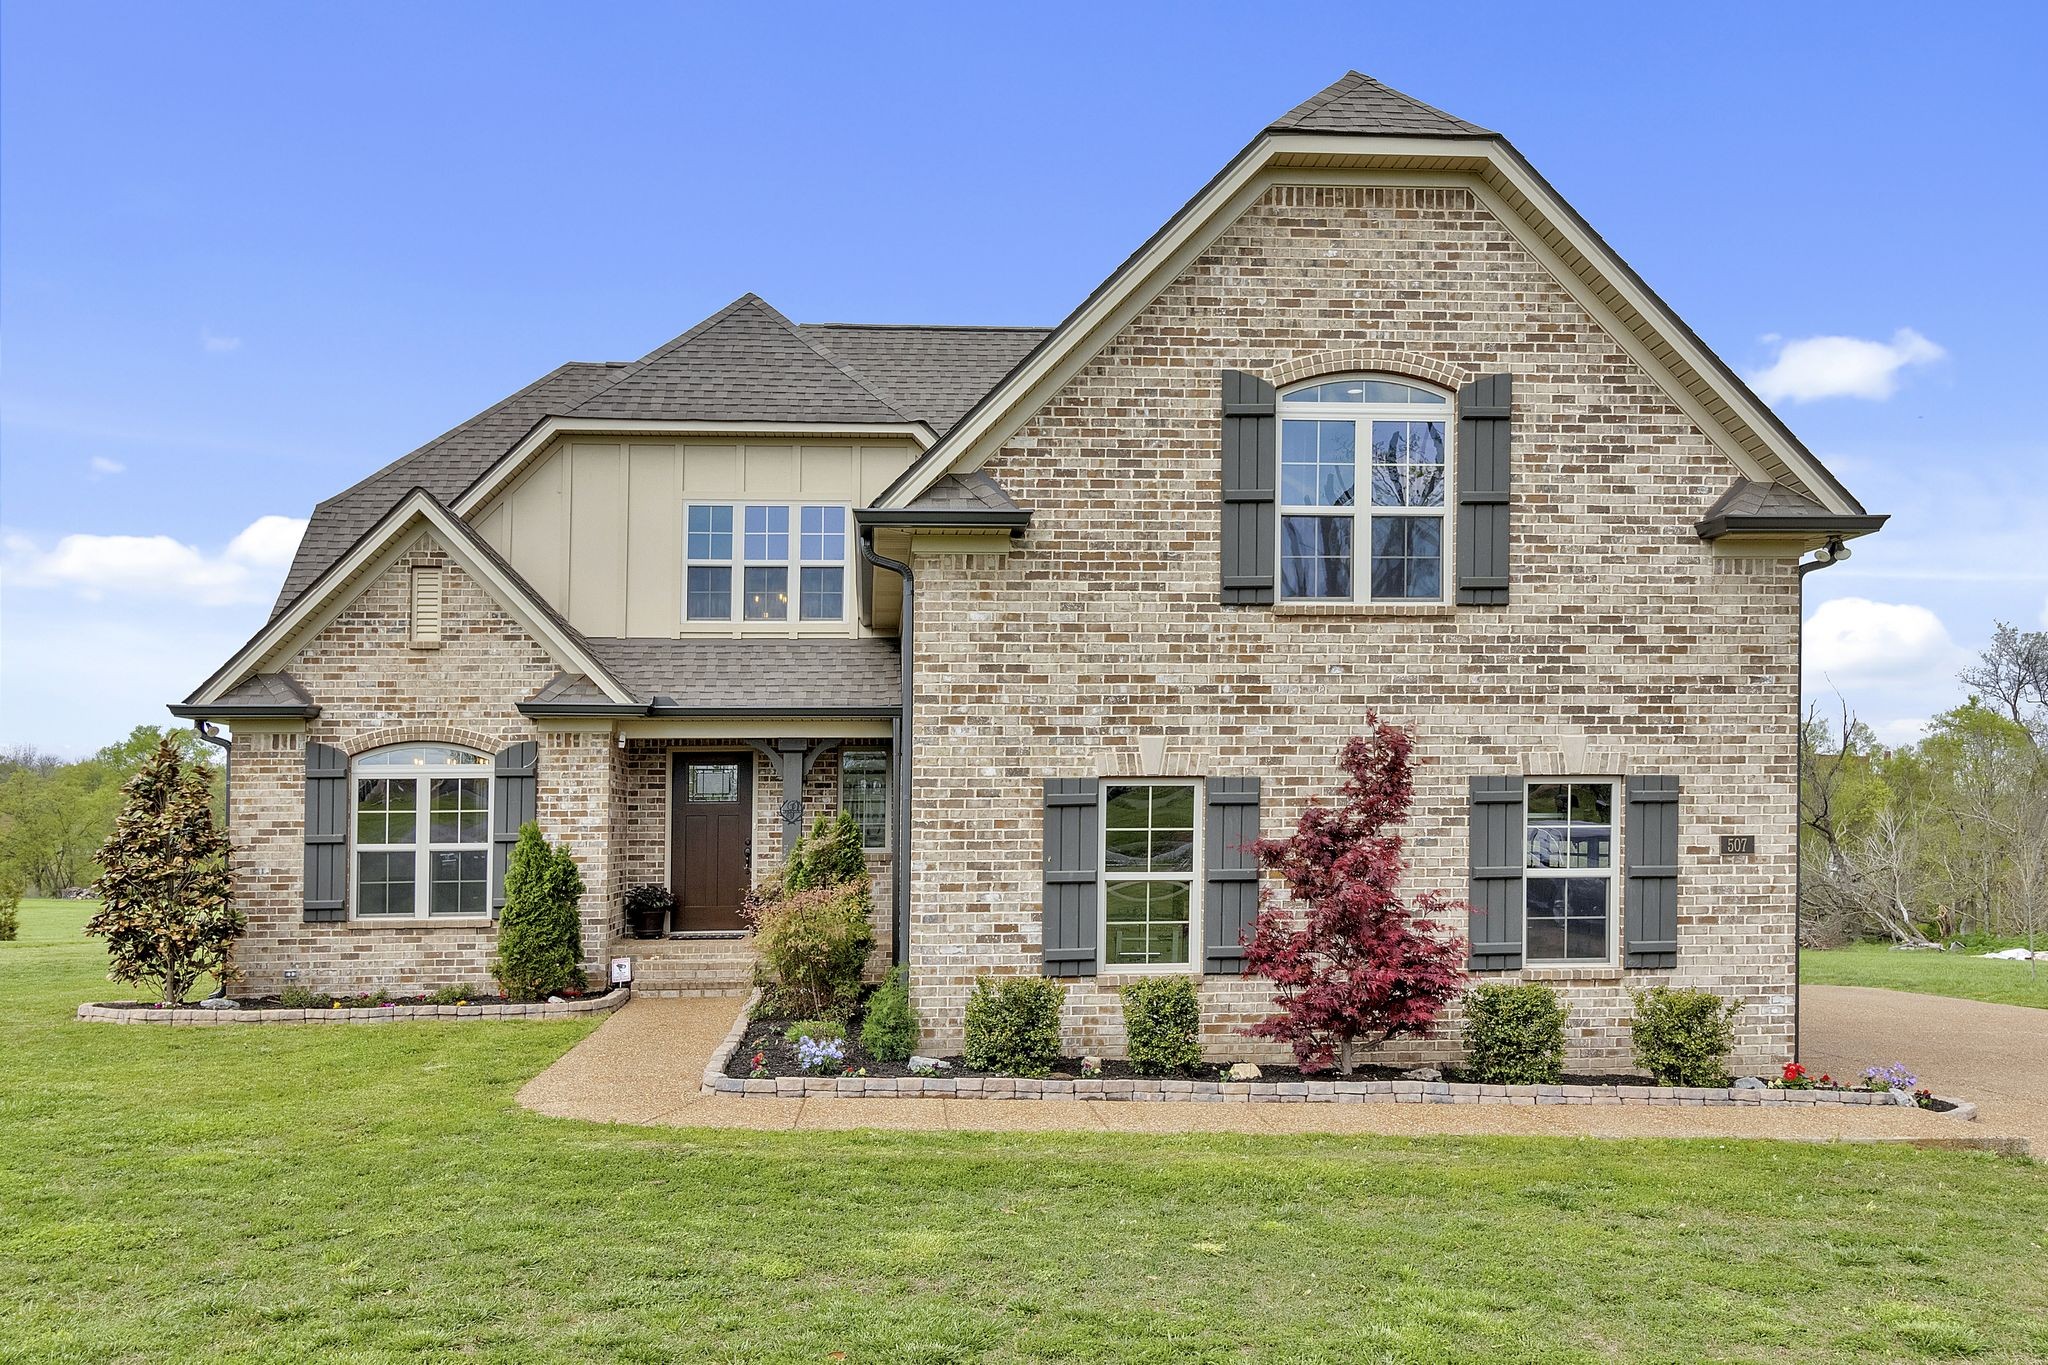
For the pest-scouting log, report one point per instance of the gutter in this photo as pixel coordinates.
(227, 799)
(1833, 553)
(1835, 528)
(230, 712)
(922, 518)
(542, 709)
(899, 941)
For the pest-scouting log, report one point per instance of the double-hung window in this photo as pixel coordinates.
(753, 563)
(1364, 481)
(1150, 906)
(1569, 880)
(422, 833)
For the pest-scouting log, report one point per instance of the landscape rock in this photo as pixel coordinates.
(223, 1003)
(1091, 1063)
(1243, 1071)
(930, 1064)
(556, 1000)
(1423, 1073)
(1749, 1083)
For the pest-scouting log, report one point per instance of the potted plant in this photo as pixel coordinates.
(647, 910)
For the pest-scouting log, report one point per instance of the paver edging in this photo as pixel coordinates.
(384, 1014)
(715, 1078)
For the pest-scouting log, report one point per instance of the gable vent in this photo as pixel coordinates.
(426, 605)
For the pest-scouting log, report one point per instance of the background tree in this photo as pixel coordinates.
(2013, 673)
(55, 814)
(1352, 963)
(164, 883)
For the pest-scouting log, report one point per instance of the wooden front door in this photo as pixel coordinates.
(711, 813)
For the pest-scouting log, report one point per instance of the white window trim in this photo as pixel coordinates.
(793, 623)
(422, 848)
(1361, 512)
(888, 801)
(1193, 877)
(1612, 872)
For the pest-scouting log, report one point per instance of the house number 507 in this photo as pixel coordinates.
(1734, 844)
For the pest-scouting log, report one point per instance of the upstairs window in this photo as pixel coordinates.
(1364, 480)
(753, 563)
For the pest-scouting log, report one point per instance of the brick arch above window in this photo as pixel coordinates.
(1375, 359)
(427, 734)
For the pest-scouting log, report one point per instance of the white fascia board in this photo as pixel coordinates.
(315, 610)
(1358, 160)
(548, 428)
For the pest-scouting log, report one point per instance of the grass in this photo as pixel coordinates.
(290, 1193)
(1961, 974)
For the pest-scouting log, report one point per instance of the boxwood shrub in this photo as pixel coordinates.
(1013, 1026)
(1162, 1025)
(889, 1032)
(1514, 1034)
(1684, 1037)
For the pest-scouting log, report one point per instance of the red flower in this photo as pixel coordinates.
(1794, 1071)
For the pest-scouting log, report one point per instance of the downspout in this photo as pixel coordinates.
(900, 733)
(1831, 554)
(204, 729)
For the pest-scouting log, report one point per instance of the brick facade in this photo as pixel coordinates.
(1627, 649)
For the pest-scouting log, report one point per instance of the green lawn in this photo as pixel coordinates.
(1960, 974)
(359, 1193)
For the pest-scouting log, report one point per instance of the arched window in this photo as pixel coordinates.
(422, 833)
(1364, 480)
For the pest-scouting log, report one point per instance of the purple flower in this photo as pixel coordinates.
(1890, 1076)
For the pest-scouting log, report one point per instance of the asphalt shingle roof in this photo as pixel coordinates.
(1359, 104)
(933, 374)
(972, 491)
(1749, 498)
(800, 675)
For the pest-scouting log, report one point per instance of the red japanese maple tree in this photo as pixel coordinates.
(1354, 964)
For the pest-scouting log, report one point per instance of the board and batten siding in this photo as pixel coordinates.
(597, 526)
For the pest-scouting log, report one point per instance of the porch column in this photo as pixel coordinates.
(793, 760)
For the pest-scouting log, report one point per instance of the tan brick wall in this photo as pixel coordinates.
(375, 688)
(1626, 649)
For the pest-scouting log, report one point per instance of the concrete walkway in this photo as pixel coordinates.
(1996, 1055)
(645, 1065)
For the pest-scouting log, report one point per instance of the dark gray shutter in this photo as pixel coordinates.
(1652, 906)
(1496, 887)
(326, 834)
(1231, 899)
(1072, 843)
(1251, 459)
(515, 797)
(1483, 471)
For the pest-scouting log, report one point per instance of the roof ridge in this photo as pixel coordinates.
(683, 338)
(932, 326)
(1352, 83)
(837, 362)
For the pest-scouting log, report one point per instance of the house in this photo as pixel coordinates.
(1064, 616)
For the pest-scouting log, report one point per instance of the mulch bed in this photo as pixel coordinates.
(359, 1002)
(778, 1058)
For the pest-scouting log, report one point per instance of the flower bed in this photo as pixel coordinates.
(756, 1059)
(273, 1012)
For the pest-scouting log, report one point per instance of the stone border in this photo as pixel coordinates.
(382, 1014)
(714, 1070)
(1263, 1092)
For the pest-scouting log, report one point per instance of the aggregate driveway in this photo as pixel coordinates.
(1996, 1055)
(645, 1064)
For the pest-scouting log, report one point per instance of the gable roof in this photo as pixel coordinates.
(1357, 103)
(1358, 124)
(933, 374)
(340, 582)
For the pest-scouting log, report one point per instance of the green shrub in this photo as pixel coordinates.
(1684, 1037)
(297, 997)
(814, 945)
(1162, 1025)
(889, 1033)
(540, 929)
(460, 995)
(1013, 1027)
(814, 1028)
(12, 885)
(1514, 1034)
(830, 855)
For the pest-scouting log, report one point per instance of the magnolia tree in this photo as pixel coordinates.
(164, 882)
(1354, 964)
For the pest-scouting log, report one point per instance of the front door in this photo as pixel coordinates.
(710, 839)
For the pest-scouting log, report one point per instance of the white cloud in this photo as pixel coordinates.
(213, 342)
(1854, 641)
(1842, 367)
(103, 468)
(95, 567)
(1895, 733)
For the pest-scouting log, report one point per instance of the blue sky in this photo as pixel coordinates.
(249, 254)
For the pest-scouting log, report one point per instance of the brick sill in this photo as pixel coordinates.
(372, 926)
(1363, 610)
(1570, 974)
